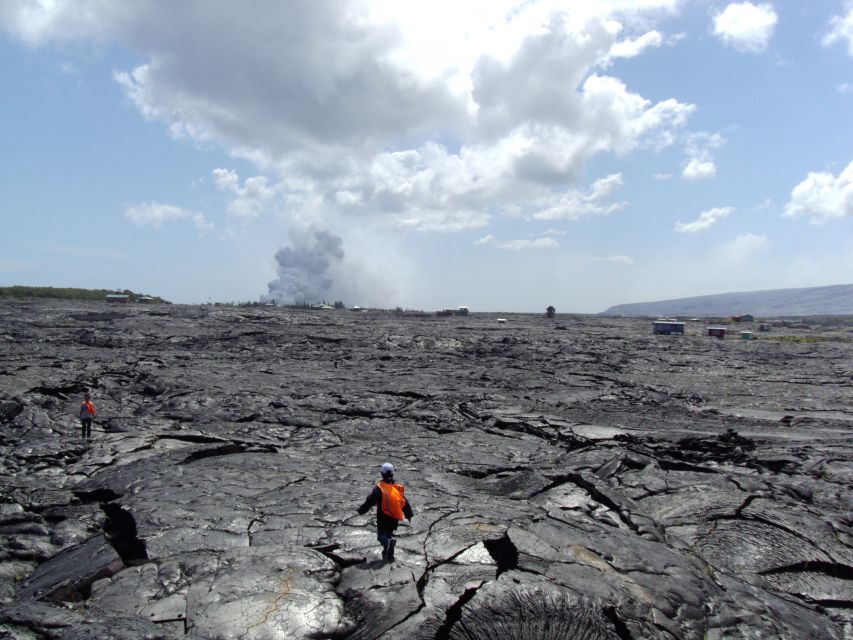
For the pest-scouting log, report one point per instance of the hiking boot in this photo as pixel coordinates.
(391, 544)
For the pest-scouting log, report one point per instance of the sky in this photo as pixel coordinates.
(497, 154)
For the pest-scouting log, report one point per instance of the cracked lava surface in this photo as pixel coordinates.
(574, 477)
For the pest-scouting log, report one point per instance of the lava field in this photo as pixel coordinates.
(575, 477)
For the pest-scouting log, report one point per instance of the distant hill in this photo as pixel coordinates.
(68, 293)
(809, 301)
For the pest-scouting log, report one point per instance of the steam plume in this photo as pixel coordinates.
(306, 268)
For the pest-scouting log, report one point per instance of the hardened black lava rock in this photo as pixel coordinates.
(593, 482)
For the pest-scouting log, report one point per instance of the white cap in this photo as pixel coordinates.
(387, 469)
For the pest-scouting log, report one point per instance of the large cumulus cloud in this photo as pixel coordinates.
(823, 196)
(365, 108)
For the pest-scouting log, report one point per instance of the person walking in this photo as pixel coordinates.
(391, 507)
(87, 413)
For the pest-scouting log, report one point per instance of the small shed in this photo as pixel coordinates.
(145, 299)
(746, 335)
(117, 297)
(764, 326)
(717, 332)
(462, 311)
(667, 327)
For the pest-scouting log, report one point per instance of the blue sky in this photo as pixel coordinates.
(502, 155)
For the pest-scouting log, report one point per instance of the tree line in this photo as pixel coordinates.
(69, 293)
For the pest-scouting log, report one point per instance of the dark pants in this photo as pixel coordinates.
(384, 536)
(86, 427)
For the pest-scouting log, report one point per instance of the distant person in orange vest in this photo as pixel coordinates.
(391, 507)
(87, 412)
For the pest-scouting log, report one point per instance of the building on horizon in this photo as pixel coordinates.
(717, 332)
(667, 327)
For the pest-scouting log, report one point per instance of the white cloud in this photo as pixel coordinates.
(226, 180)
(523, 244)
(631, 48)
(705, 220)
(845, 87)
(699, 170)
(441, 220)
(841, 29)
(154, 214)
(631, 120)
(527, 245)
(554, 232)
(745, 26)
(614, 259)
(422, 114)
(662, 176)
(822, 196)
(576, 204)
(699, 147)
(348, 198)
(36, 22)
(447, 37)
(251, 198)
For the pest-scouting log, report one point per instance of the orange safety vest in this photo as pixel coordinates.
(87, 410)
(392, 499)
